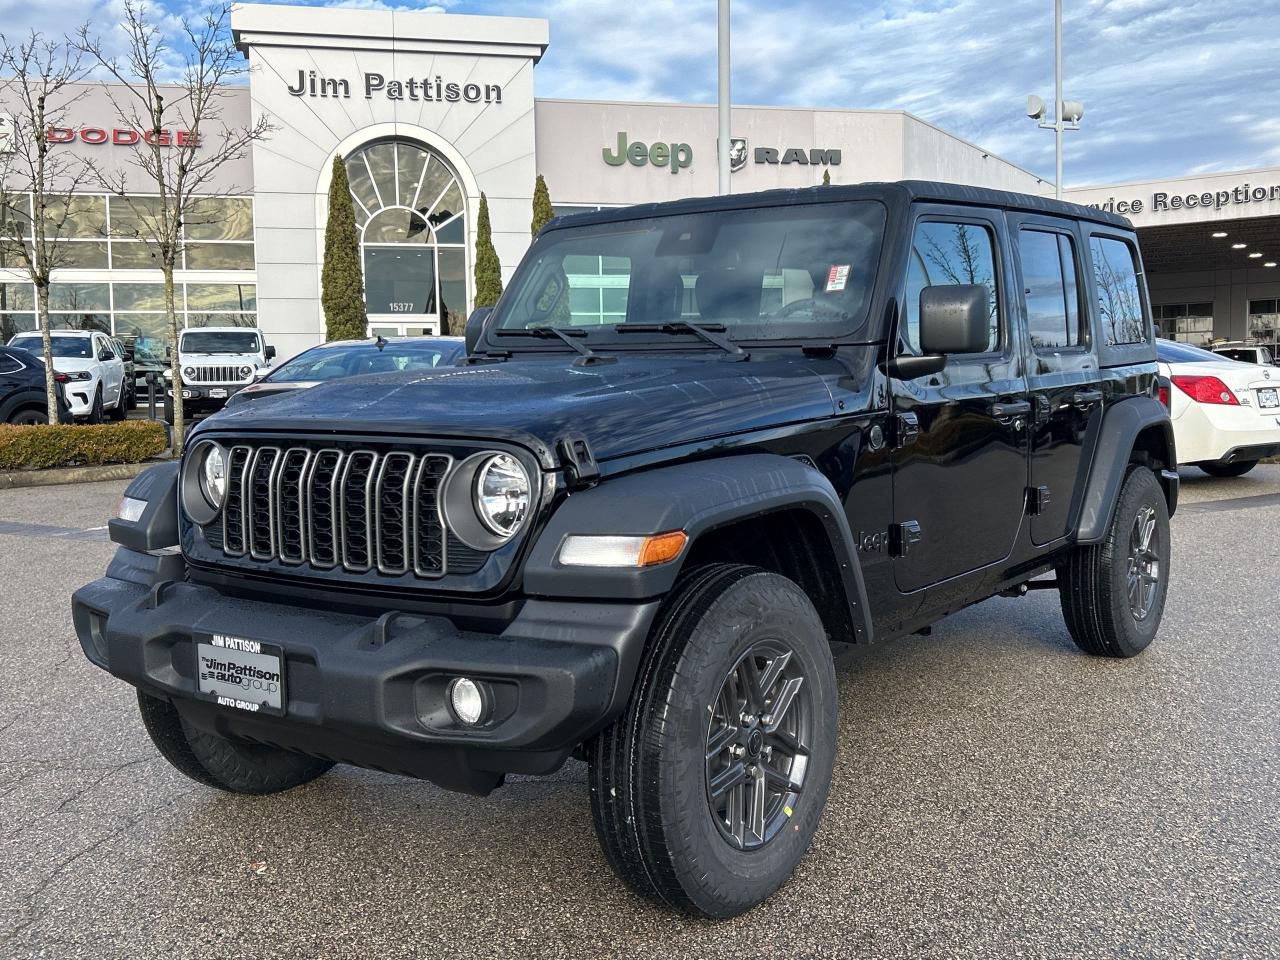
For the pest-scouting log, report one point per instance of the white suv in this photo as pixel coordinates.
(90, 369)
(215, 362)
(1245, 352)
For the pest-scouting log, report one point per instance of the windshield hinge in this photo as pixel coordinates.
(580, 467)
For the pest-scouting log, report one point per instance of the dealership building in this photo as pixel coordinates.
(429, 111)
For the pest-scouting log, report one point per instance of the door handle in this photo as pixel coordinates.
(1086, 398)
(1007, 411)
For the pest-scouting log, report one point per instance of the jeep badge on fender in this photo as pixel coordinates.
(631, 527)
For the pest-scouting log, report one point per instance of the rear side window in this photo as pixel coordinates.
(1115, 269)
(951, 254)
(10, 364)
(1051, 291)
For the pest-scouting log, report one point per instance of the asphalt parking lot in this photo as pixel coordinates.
(997, 794)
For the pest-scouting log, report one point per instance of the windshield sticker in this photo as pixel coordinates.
(837, 277)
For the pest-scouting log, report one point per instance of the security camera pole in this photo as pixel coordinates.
(1066, 113)
(722, 47)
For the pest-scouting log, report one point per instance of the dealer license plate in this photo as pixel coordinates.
(1268, 398)
(217, 393)
(241, 674)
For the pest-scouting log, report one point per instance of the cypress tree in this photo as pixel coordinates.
(541, 205)
(488, 270)
(826, 178)
(341, 279)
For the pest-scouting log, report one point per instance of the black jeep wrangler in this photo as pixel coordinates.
(696, 449)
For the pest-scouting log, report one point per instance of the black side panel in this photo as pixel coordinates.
(158, 525)
(694, 497)
(1122, 423)
(22, 398)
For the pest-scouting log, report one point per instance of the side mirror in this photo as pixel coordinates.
(130, 354)
(955, 319)
(168, 353)
(270, 352)
(475, 327)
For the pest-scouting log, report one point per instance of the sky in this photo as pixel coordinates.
(1169, 88)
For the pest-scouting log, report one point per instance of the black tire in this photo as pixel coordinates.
(168, 410)
(131, 398)
(1101, 612)
(1237, 469)
(28, 416)
(221, 763)
(650, 798)
(95, 411)
(119, 411)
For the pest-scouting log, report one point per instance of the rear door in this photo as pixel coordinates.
(960, 467)
(1063, 379)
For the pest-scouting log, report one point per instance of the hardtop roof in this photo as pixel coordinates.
(892, 193)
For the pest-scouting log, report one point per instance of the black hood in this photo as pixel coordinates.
(634, 404)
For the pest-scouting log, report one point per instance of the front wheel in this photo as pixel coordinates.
(707, 791)
(1113, 592)
(231, 765)
(1238, 469)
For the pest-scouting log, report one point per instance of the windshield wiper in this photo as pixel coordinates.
(566, 334)
(709, 332)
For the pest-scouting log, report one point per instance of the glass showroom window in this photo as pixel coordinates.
(411, 214)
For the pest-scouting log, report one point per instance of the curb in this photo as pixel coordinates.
(14, 479)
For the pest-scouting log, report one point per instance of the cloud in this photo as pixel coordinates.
(1168, 88)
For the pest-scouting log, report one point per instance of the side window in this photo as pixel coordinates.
(9, 364)
(1119, 297)
(1049, 285)
(950, 253)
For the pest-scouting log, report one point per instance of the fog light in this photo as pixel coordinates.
(468, 702)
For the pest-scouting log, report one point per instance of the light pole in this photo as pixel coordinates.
(1066, 113)
(722, 65)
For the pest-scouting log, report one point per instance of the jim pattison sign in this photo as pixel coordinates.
(312, 84)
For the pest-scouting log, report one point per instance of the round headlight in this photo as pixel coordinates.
(188, 373)
(246, 372)
(213, 475)
(502, 494)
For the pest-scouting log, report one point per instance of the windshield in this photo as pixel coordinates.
(1245, 354)
(77, 347)
(761, 273)
(1167, 351)
(219, 341)
(331, 363)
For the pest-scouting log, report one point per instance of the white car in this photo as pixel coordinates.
(90, 369)
(1226, 414)
(1245, 352)
(215, 363)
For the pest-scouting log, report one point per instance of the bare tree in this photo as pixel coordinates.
(187, 137)
(38, 180)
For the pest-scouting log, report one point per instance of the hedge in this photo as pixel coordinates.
(69, 445)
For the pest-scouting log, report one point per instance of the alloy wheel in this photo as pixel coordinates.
(1142, 576)
(758, 742)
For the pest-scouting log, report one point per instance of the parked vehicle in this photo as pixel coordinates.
(1245, 352)
(94, 371)
(215, 363)
(1226, 413)
(23, 399)
(341, 359)
(811, 418)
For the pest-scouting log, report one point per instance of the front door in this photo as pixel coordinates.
(960, 468)
(1062, 369)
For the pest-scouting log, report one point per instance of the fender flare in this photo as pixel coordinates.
(1121, 425)
(695, 497)
(157, 527)
(19, 400)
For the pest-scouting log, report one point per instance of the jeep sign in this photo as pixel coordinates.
(677, 156)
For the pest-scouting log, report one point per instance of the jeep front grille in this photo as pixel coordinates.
(217, 374)
(358, 510)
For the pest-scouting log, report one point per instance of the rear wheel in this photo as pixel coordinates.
(222, 763)
(168, 410)
(1237, 469)
(708, 790)
(1113, 592)
(28, 417)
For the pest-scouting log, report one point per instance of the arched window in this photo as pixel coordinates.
(411, 213)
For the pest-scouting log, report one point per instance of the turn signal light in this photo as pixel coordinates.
(1206, 390)
(585, 550)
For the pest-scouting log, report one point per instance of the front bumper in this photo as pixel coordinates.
(212, 396)
(371, 691)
